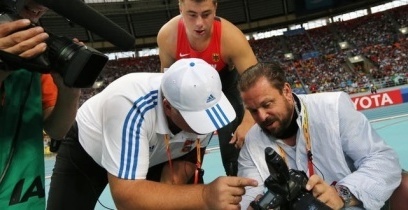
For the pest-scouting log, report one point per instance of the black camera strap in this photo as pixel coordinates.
(11, 62)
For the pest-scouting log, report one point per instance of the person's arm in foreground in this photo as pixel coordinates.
(222, 193)
(58, 119)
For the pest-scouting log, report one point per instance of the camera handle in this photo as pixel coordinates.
(11, 62)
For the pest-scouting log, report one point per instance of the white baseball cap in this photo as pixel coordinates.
(193, 87)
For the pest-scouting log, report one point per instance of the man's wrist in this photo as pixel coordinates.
(345, 195)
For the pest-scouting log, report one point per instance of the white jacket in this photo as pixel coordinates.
(345, 148)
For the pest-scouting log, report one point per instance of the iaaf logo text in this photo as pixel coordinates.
(377, 100)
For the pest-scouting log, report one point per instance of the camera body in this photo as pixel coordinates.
(78, 65)
(286, 188)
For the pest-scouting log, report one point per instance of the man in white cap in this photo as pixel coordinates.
(138, 121)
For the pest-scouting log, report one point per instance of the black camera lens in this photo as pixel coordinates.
(79, 65)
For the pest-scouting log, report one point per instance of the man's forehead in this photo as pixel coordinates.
(193, 11)
(205, 5)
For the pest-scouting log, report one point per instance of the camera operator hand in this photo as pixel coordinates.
(59, 81)
(226, 192)
(25, 43)
(324, 192)
(18, 39)
(65, 107)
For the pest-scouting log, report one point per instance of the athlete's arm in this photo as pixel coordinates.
(239, 135)
(235, 47)
(167, 43)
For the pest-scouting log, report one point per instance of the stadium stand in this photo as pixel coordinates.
(375, 54)
(381, 45)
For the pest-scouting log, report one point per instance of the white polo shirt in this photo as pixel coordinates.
(123, 127)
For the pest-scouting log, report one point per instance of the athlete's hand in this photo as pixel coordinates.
(238, 138)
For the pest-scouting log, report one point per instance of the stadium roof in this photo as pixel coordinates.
(143, 18)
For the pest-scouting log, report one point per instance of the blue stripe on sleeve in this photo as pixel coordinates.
(131, 134)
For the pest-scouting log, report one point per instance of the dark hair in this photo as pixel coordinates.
(199, 1)
(273, 72)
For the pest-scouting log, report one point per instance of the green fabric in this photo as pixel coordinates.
(23, 184)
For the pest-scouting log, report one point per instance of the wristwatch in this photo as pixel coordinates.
(344, 194)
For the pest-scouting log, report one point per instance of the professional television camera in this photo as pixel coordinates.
(78, 65)
(286, 188)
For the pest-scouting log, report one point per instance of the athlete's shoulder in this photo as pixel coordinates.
(229, 29)
(168, 33)
(170, 25)
(225, 22)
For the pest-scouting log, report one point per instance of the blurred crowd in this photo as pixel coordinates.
(318, 62)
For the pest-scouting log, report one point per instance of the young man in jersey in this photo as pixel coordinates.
(138, 121)
(30, 102)
(198, 33)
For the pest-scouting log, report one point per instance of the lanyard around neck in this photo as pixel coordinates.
(305, 128)
(198, 163)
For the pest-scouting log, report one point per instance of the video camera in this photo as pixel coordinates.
(78, 65)
(286, 188)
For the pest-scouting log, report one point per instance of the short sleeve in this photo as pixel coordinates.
(49, 91)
